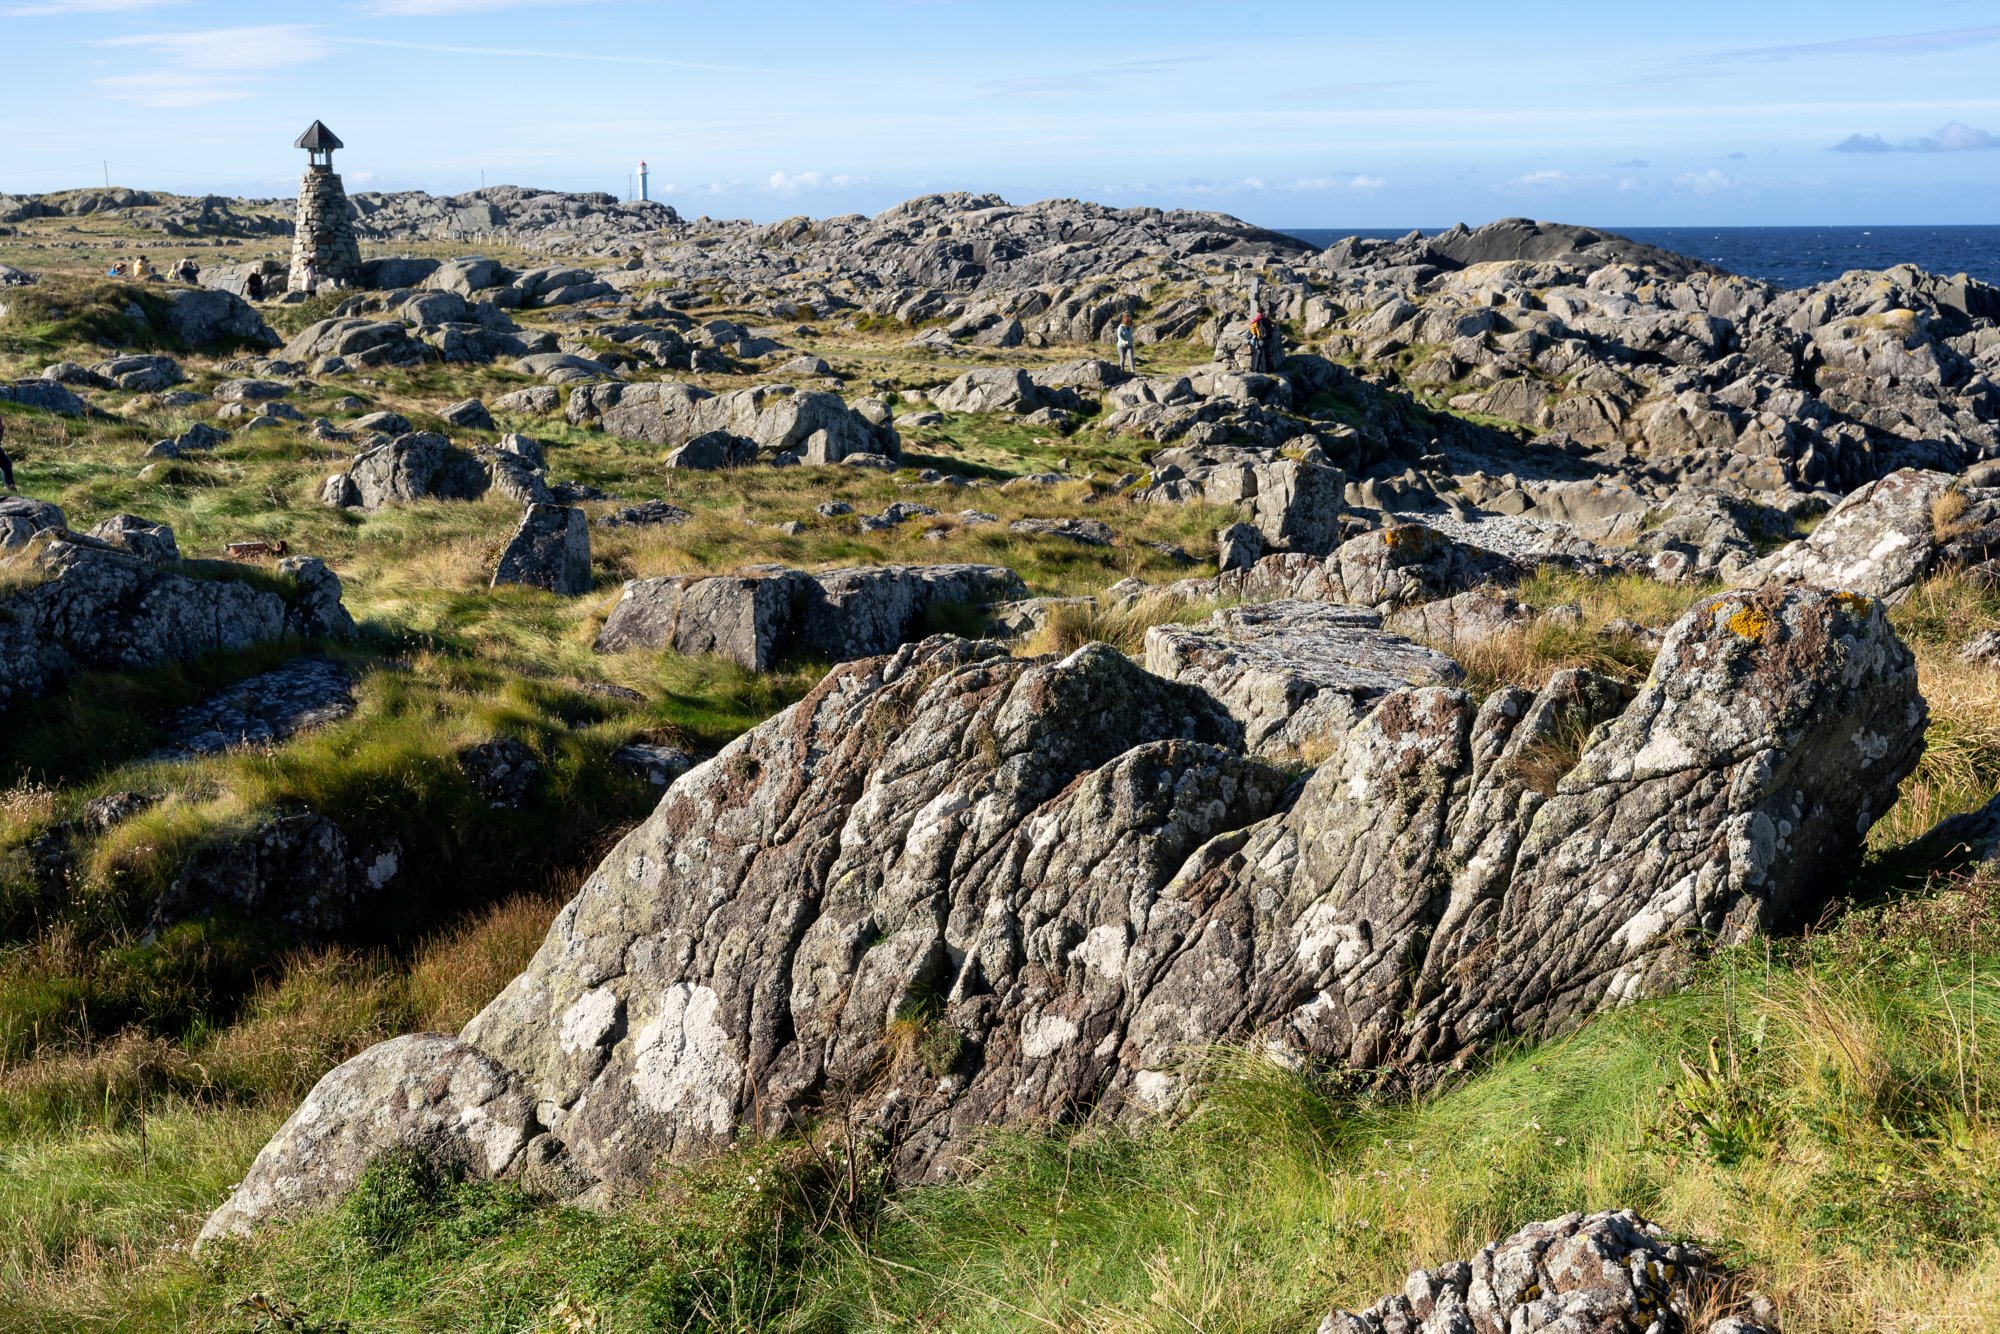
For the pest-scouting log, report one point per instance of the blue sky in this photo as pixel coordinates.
(1330, 114)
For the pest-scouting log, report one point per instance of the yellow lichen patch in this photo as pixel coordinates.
(1854, 604)
(1749, 622)
(1407, 537)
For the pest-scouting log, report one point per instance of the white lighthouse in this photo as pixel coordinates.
(642, 180)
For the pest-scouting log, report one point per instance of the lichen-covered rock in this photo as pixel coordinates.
(550, 549)
(21, 518)
(426, 1092)
(262, 710)
(46, 395)
(1464, 621)
(760, 614)
(1879, 541)
(1405, 564)
(1605, 1273)
(98, 607)
(413, 467)
(1295, 674)
(302, 871)
(951, 889)
(141, 537)
(818, 426)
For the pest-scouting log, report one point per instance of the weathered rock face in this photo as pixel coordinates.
(103, 608)
(201, 317)
(1296, 675)
(358, 342)
(550, 549)
(424, 1091)
(425, 466)
(1882, 539)
(814, 424)
(301, 870)
(950, 889)
(761, 614)
(1608, 1273)
(21, 518)
(264, 710)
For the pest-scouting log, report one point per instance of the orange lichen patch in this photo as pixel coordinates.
(1408, 537)
(1854, 604)
(1749, 622)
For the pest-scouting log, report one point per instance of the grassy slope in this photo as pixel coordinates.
(1844, 1155)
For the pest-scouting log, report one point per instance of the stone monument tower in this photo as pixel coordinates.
(323, 245)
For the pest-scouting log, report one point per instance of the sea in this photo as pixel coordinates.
(1792, 256)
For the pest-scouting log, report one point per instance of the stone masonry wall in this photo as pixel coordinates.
(324, 236)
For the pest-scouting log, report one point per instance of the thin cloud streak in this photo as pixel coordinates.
(527, 53)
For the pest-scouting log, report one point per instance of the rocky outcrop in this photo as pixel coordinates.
(426, 466)
(814, 425)
(300, 870)
(1296, 675)
(550, 549)
(46, 395)
(22, 518)
(950, 889)
(264, 710)
(1605, 1273)
(358, 342)
(1882, 539)
(200, 318)
(98, 607)
(764, 613)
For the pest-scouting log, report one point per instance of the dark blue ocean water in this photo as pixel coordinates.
(1795, 256)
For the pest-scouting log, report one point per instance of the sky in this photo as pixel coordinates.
(1328, 114)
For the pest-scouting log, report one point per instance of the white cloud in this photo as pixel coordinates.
(1367, 183)
(51, 8)
(1552, 178)
(190, 69)
(1705, 182)
(1957, 137)
(783, 183)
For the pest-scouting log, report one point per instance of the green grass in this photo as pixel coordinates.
(1823, 1117)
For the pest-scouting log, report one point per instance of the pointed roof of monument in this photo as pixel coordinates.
(318, 139)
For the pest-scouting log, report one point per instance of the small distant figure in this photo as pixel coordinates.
(117, 269)
(308, 280)
(1260, 333)
(6, 464)
(253, 286)
(142, 269)
(1274, 345)
(187, 271)
(1125, 360)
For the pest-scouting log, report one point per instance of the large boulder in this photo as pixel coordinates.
(98, 607)
(550, 549)
(1296, 675)
(989, 389)
(817, 426)
(358, 342)
(761, 614)
(1881, 540)
(45, 395)
(205, 317)
(420, 466)
(950, 890)
(22, 517)
(141, 537)
(140, 374)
